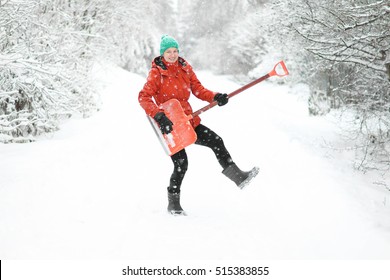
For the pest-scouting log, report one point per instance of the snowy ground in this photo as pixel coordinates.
(97, 188)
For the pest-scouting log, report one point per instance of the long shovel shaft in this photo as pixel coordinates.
(282, 71)
(230, 95)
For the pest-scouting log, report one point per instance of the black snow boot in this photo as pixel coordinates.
(241, 178)
(174, 206)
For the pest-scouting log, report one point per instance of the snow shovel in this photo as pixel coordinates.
(183, 134)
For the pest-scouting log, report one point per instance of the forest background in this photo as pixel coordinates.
(340, 49)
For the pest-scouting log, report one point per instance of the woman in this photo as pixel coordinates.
(172, 77)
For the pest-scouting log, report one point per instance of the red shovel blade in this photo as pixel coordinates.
(182, 135)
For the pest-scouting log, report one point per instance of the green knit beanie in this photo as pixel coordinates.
(166, 43)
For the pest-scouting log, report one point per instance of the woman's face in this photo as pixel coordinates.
(171, 55)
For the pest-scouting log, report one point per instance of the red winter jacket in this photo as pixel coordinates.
(167, 81)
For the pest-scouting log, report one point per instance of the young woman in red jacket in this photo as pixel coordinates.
(172, 77)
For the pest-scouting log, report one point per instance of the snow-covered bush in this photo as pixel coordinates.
(44, 66)
(351, 43)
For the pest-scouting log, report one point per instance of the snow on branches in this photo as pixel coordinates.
(351, 40)
(45, 61)
(352, 33)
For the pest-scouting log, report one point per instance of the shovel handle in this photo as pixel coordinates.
(275, 72)
(278, 72)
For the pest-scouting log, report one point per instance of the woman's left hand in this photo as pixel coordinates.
(221, 98)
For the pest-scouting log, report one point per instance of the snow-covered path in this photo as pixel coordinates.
(97, 188)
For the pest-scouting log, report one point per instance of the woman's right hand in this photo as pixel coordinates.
(164, 123)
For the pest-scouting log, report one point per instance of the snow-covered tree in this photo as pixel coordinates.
(262, 38)
(205, 32)
(352, 41)
(45, 62)
(134, 30)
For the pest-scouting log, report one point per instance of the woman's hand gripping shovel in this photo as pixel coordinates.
(183, 134)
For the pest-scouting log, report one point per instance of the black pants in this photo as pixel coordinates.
(205, 137)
